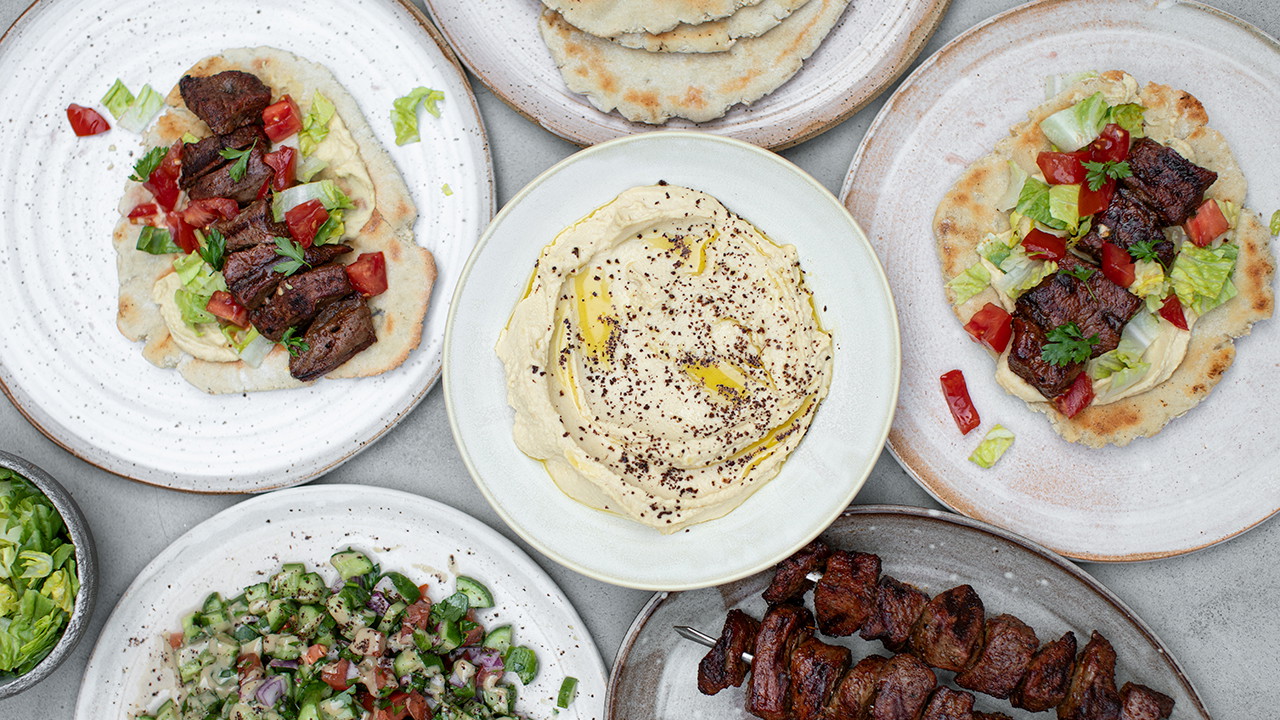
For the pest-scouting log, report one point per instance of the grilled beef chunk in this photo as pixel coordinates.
(298, 299)
(1127, 221)
(789, 580)
(253, 226)
(816, 667)
(1004, 659)
(1097, 306)
(340, 331)
(782, 629)
(1093, 694)
(1140, 702)
(948, 704)
(218, 182)
(227, 100)
(203, 157)
(845, 597)
(949, 632)
(898, 606)
(251, 275)
(1166, 182)
(1048, 676)
(1026, 361)
(853, 695)
(902, 689)
(990, 716)
(723, 665)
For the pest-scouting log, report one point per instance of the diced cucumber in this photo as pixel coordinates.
(190, 670)
(309, 711)
(191, 627)
(568, 691)
(522, 661)
(257, 595)
(350, 563)
(450, 637)
(284, 584)
(425, 641)
(216, 622)
(283, 647)
(501, 699)
(311, 588)
(499, 639)
(407, 663)
(389, 618)
(168, 711)
(404, 587)
(278, 613)
(432, 664)
(309, 617)
(244, 633)
(477, 594)
(213, 603)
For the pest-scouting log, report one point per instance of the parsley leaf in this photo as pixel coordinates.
(1143, 250)
(1100, 171)
(1066, 345)
(451, 608)
(148, 163)
(295, 345)
(292, 250)
(214, 248)
(156, 241)
(1081, 273)
(241, 164)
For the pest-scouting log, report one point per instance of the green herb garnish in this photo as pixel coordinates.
(1081, 273)
(295, 345)
(241, 164)
(292, 250)
(1099, 172)
(148, 163)
(1143, 250)
(155, 241)
(1066, 345)
(214, 248)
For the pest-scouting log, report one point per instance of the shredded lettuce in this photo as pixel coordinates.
(118, 99)
(1230, 212)
(1076, 126)
(155, 241)
(315, 126)
(969, 283)
(404, 113)
(1129, 117)
(1275, 223)
(1138, 335)
(1148, 279)
(331, 230)
(249, 344)
(199, 282)
(1021, 272)
(1055, 84)
(141, 110)
(994, 445)
(1034, 202)
(328, 193)
(1020, 224)
(188, 138)
(192, 306)
(995, 248)
(1201, 277)
(1064, 205)
(1017, 177)
(308, 168)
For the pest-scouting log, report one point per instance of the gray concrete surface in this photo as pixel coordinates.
(1216, 609)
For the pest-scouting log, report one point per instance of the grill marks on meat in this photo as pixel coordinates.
(1004, 659)
(217, 183)
(1093, 694)
(1171, 185)
(816, 668)
(1048, 676)
(227, 100)
(1125, 222)
(204, 157)
(1027, 362)
(339, 332)
(902, 689)
(790, 580)
(253, 226)
(1139, 702)
(853, 694)
(723, 665)
(300, 298)
(845, 598)
(949, 631)
(948, 704)
(251, 275)
(898, 606)
(782, 629)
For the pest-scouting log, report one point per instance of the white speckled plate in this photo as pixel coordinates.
(655, 673)
(62, 361)
(426, 540)
(820, 477)
(1206, 477)
(874, 43)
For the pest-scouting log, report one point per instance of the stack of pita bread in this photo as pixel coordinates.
(652, 60)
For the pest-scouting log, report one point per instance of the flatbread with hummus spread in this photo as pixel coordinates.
(382, 220)
(968, 214)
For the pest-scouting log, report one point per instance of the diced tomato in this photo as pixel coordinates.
(163, 181)
(991, 326)
(1207, 224)
(86, 121)
(417, 705)
(1061, 168)
(956, 391)
(200, 213)
(249, 665)
(1117, 265)
(1171, 310)
(224, 305)
(473, 637)
(1041, 245)
(184, 236)
(1077, 397)
(335, 674)
(419, 614)
(285, 162)
(315, 652)
(368, 274)
(304, 220)
(1092, 202)
(175, 640)
(282, 119)
(397, 707)
(423, 588)
(145, 210)
(1111, 145)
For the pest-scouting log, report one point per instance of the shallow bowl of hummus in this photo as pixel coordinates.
(672, 361)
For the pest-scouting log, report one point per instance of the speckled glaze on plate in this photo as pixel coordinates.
(874, 42)
(62, 361)
(1206, 477)
(426, 540)
(816, 482)
(655, 673)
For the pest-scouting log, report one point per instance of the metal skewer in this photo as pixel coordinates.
(703, 639)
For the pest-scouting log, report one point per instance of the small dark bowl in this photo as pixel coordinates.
(86, 567)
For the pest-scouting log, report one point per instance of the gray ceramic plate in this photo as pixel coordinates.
(655, 673)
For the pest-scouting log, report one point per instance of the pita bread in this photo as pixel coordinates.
(654, 87)
(397, 313)
(966, 214)
(716, 35)
(609, 18)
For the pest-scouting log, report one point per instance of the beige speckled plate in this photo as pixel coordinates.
(1208, 476)
(655, 673)
(874, 43)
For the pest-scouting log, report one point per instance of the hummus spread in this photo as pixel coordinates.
(666, 358)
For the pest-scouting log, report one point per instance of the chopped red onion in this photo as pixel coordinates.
(378, 603)
(270, 690)
(278, 663)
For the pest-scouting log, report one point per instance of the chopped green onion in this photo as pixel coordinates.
(568, 691)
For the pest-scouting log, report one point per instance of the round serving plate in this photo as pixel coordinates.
(873, 44)
(424, 539)
(64, 364)
(656, 672)
(1206, 477)
(820, 477)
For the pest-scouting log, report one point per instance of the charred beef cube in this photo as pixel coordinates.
(845, 597)
(783, 628)
(1098, 306)
(790, 581)
(948, 704)
(1093, 694)
(949, 632)
(990, 716)
(1048, 676)
(723, 665)
(1027, 362)
(1004, 659)
(816, 667)
(205, 156)
(340, 331)
(227, 100)
(898, 606)
(1139, 702)
(1125, 222)
(251, 275)
(253, 226)
(1166, 182)
(219, 183)
(853, 695)
(902, 689)
(298, 299)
